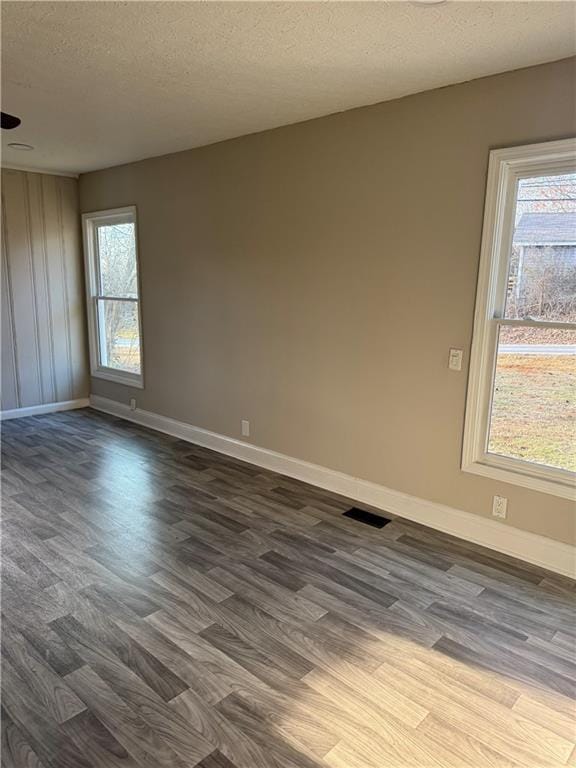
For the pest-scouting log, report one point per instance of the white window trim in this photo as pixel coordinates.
(505, 167)
(89, 223)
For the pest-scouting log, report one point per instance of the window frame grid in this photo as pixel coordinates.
(94, 295)
(506, 167)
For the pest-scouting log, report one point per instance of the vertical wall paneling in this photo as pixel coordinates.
(44, 356)
(10, 388)
(54, 267)
(63, 283)
(74, 274)
(20, 277)
(43, 313)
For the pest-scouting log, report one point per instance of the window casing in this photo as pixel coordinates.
(113, 296)
(507, 169)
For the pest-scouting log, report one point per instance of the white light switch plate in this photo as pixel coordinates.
(455, 360)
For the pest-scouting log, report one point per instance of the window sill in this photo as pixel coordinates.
(510, 471)
(119, 377)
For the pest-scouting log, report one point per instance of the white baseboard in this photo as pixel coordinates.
(36, 410)
(538, 550)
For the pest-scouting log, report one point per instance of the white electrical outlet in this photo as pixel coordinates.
(132, 403)
(455, 359)
(500, 507)
(245, 428)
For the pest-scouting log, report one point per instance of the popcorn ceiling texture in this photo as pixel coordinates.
(100, 84)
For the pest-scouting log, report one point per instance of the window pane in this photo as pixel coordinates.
(534, 402)
(542, 272)
(117, 260)
(119, 336)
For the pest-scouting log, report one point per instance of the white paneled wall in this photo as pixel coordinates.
(44, 357)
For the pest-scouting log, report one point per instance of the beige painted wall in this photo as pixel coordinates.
(44, 356)
(312, 278)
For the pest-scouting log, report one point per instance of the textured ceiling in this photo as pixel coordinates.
(102, 83)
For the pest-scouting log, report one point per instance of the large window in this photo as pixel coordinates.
(521, 411)
(113, 295)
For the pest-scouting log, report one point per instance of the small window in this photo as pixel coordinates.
(521, 410)
(113, 295)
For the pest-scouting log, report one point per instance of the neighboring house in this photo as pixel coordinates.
(543, 273)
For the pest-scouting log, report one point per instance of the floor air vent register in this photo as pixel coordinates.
(368, 518)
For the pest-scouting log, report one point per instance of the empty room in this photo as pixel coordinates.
(288, 408)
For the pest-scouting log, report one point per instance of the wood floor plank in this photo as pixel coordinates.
(190, 746)
(515, 737)
(196, 676)
(281, 752)
(16, 752)
(230, 741)
(148, 667)
(144, 743)
(48, 741)
(170, 607)
(44, 683)
(552, 720)
(217, 760)
(467, 750)
(88, 733)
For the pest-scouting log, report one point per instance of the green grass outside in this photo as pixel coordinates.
(534, 409)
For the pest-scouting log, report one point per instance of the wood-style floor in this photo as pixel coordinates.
(165, 606)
